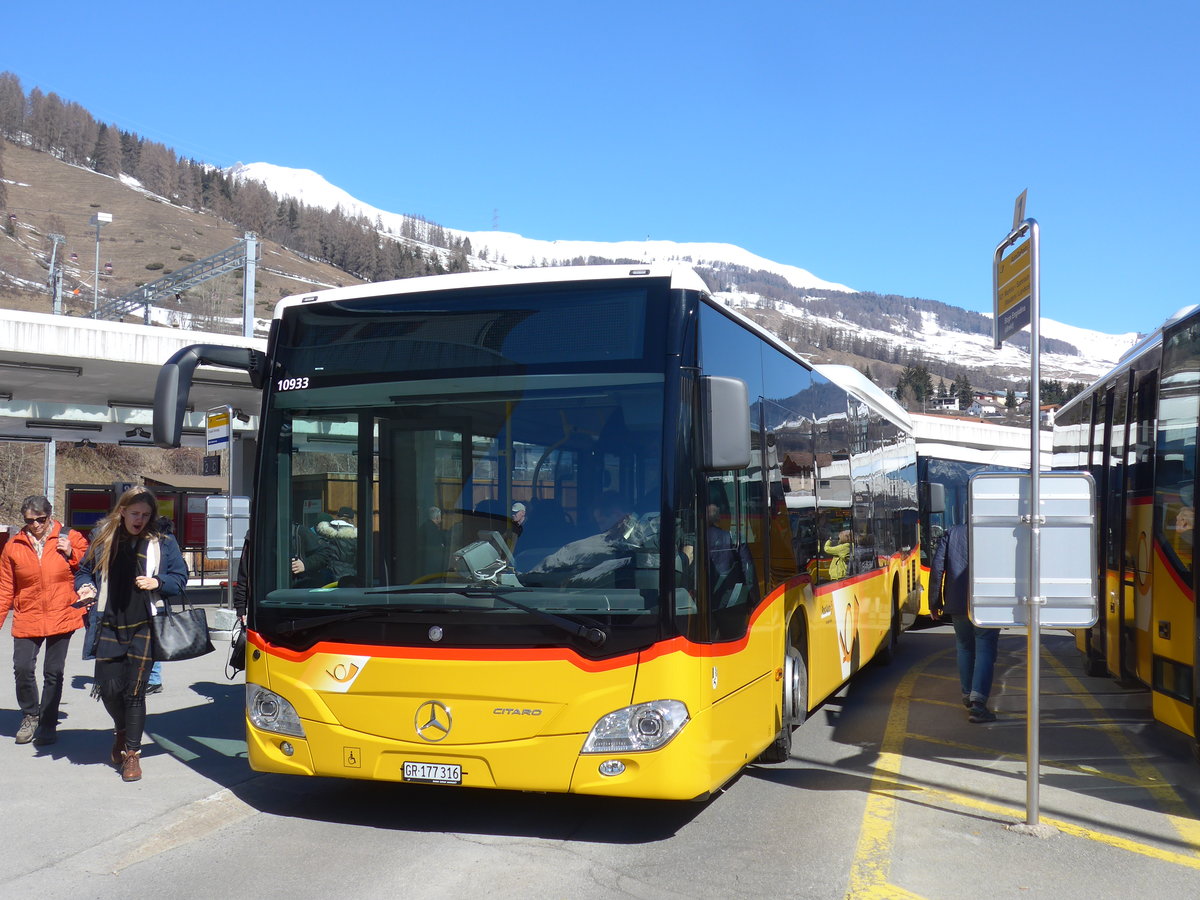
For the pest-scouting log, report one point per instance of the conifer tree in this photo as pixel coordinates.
(106, 157)
(963, 390)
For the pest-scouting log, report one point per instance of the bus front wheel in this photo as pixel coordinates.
(795, 708)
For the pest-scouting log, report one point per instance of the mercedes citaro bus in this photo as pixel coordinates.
(594, 532)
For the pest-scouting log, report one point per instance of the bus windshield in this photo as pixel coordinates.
(511, 495)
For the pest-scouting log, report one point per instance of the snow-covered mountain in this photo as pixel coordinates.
(312, 189)
(1098, 352)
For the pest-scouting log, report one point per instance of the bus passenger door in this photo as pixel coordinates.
(1139, 528)
(1117, 574)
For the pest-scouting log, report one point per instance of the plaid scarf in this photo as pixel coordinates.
(125, 628)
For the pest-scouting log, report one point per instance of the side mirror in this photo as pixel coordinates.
(725, 420)
(934, 495)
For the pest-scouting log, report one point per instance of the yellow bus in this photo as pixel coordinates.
(944, 475)
(1135, 430)
(606, 536)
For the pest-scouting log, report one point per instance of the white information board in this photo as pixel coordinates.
(225, 529)
(1001, 541)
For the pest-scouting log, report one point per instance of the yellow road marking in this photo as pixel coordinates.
(1112, 840)
(873, 855)
(871, 866)
(1090, 771)
(1172, 804)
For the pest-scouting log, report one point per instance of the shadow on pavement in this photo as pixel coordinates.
(421, 808)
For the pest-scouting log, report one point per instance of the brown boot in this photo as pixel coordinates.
(131, 767)
(118, 749)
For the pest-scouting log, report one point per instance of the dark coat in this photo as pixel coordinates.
(949, 573)
(171, 572)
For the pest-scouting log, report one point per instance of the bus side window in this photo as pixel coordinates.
(728, 566)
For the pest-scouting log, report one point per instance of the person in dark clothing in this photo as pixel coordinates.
(721, 553)
(241, 584)
(129, 570)
(154, 684)
(342, 537)
(949, 588)
(312, 554)
(432, 542)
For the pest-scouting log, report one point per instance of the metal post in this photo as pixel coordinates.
(229, 513)
(248, 292)
(96, 272)
(49, 473)
(55, 278)
(98, 219)
(1033, 750)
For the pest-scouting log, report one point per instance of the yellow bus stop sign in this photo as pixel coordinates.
(1014, 288)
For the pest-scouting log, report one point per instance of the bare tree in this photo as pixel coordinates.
(12, 105)
(20, 476)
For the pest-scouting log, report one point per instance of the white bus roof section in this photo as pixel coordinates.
(683, 277)
(855, 382)
(68, 378)
(968, 440)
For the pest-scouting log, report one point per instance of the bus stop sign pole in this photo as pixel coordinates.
(1016, 283)
(1010, 516)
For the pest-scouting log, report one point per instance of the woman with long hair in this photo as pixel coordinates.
(129, 570)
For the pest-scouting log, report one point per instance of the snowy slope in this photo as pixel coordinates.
(311, 189)
(1100, 351)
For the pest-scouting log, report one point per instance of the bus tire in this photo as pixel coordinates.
(887, 652)
(1094, 666)
(795, 708)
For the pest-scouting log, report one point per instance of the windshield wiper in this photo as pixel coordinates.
(351, 612)
(590, 631)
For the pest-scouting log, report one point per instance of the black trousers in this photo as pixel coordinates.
(25, 654)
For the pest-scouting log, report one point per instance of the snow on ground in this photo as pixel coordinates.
(1100, 352)
(312, 189)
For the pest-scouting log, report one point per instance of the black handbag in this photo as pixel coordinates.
(180, 635)
(237, 650)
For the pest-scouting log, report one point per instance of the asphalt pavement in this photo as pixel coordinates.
(926, 804)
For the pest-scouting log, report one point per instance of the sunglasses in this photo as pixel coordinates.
(41, 520)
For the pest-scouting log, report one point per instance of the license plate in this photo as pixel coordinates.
(432, 773)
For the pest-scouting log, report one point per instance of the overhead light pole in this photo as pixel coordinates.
(55, 275)
(98, 219)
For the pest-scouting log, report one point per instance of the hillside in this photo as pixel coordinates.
(313, 235)
(822, 320)
(149, 237)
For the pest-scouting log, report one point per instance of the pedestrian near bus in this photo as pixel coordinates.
(129, 572)
(37, 577)
(949, 589)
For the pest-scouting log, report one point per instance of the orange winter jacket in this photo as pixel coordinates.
(40, 591)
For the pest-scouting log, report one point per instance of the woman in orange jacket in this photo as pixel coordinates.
(37, 582)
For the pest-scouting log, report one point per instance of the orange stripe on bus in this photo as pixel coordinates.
(677, 644)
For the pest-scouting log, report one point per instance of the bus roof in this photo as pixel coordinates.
(681, 276)
(855, 382)
(1131, 356)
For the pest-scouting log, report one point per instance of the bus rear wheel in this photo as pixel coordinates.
(795, 708)
(887, 652)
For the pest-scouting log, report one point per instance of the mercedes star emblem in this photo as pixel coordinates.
(433, 721)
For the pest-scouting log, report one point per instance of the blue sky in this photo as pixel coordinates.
(880, 145)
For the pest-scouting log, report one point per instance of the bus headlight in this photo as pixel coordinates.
(270, 712)
(646, 726)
